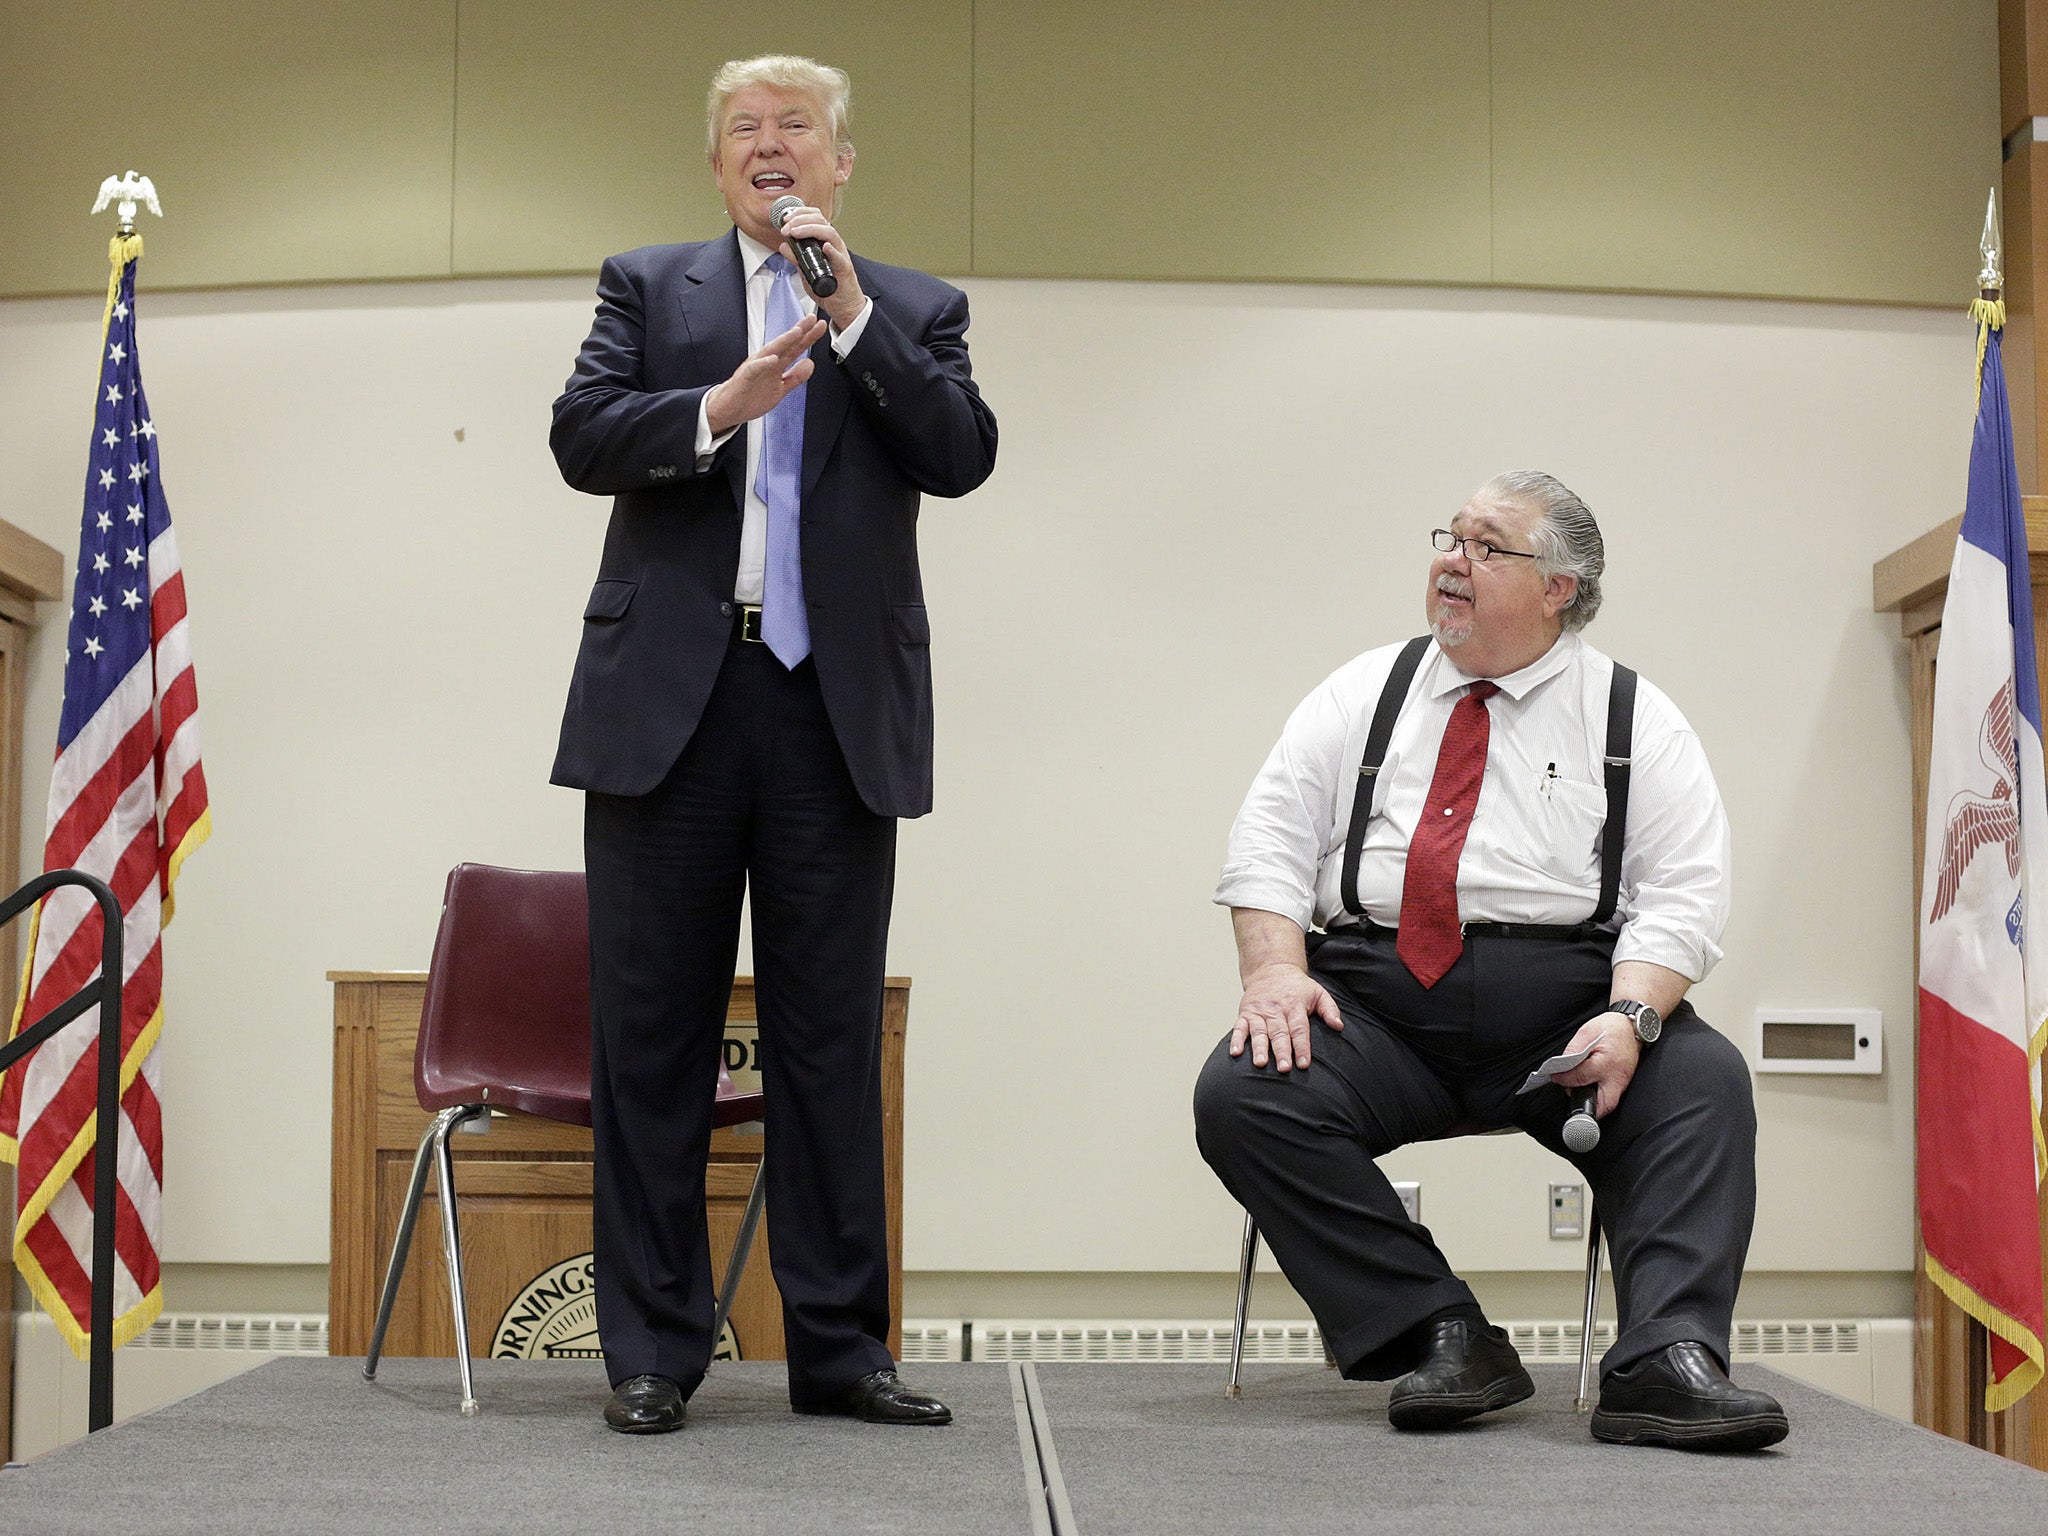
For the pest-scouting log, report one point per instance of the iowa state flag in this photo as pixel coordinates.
(1983, 968)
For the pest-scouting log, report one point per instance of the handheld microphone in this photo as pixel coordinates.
(1581, 1130)
(810, 254)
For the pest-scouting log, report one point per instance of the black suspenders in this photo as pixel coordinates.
(1621, 716)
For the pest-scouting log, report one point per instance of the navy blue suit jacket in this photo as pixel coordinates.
(899, 417)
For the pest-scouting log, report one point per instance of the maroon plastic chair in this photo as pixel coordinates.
(506, 1025)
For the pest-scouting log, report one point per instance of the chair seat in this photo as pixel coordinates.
(734, 1108)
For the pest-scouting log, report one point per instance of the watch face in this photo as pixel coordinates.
(1649, 1024)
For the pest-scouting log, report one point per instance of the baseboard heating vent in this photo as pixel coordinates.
(1761, 1341)
(929, 1339)
(1123, 1342)
(1548, 1342)
(273, 1334)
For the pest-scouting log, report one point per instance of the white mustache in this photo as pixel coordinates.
(1452, 585)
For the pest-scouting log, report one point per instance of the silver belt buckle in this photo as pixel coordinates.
(750, 622)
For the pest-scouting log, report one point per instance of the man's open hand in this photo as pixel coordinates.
(1273, 1016)
(758, 385)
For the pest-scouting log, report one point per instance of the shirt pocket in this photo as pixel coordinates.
(1572, 815)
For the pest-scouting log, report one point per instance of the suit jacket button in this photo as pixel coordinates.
(726, 609)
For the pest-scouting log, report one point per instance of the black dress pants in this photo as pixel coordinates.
(759, 802)
(1673, 1178)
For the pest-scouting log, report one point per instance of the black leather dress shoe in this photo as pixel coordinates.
(1680, 1396)
(1465, 1371)
(645, 1405)
(880, 1397)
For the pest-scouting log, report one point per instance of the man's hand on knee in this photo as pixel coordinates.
(1279, 1000)
(1613, 1062)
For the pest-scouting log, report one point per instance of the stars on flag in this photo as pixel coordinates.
(93, 647)
(105, 522)
(148, 428)
(117, 352)
(106, 479)
(138, 472)
(134, 511)
(97, 606)
(130, 598)
(99, 563)
(133, 557)
(121, 310)
(113, 438)
(113, 394)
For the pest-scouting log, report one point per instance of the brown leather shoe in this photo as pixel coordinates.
(1465, 1371)
(1680, 1396)
(645, 1405)
(880, 1397)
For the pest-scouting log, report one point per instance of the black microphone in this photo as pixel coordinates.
(1581, 1130)
(810, 254)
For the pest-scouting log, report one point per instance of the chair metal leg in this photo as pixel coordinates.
(1585, 1402)
(1245, 1266)
(400, 1248)
(451, 1238)
(735, 1267)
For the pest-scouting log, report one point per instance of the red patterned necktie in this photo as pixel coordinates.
(1430, 943)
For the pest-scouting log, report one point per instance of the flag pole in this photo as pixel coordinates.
(126, 246)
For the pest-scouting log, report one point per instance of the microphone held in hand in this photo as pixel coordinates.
(1581, 1130)
(810, 254)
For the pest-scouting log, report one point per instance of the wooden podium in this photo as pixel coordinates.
(1949, 1363)
(524, 1193)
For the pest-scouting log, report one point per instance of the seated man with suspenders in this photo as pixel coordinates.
(1462, 858)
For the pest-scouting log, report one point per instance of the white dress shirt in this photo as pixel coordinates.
(754, 510)
(1533, 852)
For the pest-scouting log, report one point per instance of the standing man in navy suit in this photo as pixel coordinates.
(750, 713)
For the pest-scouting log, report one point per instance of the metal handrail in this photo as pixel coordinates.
(106, 991)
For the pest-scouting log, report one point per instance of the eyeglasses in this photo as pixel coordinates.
(1476, 550)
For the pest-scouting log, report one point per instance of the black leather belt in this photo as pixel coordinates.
(1367, 928)
(746, 620)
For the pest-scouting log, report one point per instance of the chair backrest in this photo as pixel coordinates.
(507, 1013)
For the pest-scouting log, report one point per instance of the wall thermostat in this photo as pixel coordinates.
(1819, 1040)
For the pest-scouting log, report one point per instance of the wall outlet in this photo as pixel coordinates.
(1411, 1199)
(1567, 1210)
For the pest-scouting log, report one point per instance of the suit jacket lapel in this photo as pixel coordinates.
(713, 302)
(827, 398)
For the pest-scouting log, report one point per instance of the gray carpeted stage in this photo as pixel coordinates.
(308, 1446)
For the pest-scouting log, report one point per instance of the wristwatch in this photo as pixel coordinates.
(1648, 1021)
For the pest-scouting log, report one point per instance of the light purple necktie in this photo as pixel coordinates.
(785, 625)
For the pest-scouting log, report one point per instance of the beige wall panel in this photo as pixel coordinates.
(576, 140)
(1745, 146)
(1309, 139)
(288, 143)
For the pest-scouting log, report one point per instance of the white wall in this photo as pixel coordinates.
(1207, 497)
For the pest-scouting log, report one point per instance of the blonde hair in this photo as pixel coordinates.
(788, 72)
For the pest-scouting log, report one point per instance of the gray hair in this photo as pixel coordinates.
(788, 72)
(1566, 537)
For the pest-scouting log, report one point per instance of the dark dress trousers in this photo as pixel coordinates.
(1673, 1176)
(713, 773)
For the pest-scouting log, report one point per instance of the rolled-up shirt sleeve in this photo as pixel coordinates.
(1283, 830)
(1675, 870)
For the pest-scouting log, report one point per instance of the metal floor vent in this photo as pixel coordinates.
(273, 1333)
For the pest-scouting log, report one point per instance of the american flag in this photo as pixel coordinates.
(127, 803)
